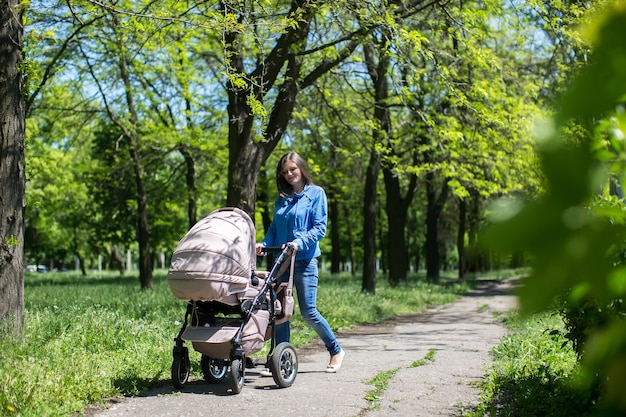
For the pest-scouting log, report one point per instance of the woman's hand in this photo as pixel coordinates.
(259, 249)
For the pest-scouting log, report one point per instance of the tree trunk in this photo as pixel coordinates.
(397, 208)
(190, 173)
(246, 155)
(351, 242)
(369, 224)
(378, 74)
(431, 247)
(475, 258)
(245, 161)
(382, 237)
(413, 241)
(117, 260)
(190, 181)
(143, 234)
(335, 254)
(77, 253)
(460, 239)
(435, 206)
(266, 207)
(333, 213)
(396, 243)
(81, 265)
(12, 177)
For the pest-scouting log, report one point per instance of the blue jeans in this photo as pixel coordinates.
(305, 277)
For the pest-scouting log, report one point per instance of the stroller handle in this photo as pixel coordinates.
(271, 249)
(275, 249)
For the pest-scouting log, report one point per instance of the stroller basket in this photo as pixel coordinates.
(216, 340)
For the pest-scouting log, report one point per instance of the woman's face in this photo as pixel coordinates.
(292, 174)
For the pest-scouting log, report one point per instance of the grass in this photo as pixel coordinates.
(534, 372)
(88, 339)
(381, 380)
(430, 357)
(380, 383)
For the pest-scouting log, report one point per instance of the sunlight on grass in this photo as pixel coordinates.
(534, 372)
(88, 339)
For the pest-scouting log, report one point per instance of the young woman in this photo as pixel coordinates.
(300, 217)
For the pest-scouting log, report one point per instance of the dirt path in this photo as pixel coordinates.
(460, 334)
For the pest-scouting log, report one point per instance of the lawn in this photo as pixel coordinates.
(88, 339)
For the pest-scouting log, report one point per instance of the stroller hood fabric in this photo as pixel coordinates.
(215, 259)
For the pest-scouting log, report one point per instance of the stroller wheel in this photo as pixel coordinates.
(180, 368)
(237, 375)
(213, 370)
(284, 365)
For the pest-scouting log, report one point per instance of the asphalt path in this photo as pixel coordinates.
(435, 361)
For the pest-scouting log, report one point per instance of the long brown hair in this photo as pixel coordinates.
(284, 188)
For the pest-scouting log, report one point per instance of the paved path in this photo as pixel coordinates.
(460, 334)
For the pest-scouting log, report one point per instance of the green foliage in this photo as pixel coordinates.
(535, 372)
(583, 317)
(85, 340)
(162, 99)
(88, 339)
(574, 233)
(59, 207)
(461, 98)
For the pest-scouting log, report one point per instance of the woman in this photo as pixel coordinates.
(300, 216)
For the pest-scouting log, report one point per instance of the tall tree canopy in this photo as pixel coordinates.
(422, 107)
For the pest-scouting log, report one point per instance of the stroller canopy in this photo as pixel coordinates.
(216, 258)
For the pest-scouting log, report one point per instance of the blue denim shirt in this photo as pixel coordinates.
(301, 219)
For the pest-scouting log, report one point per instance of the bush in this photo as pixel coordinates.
(582, 318)
(535, 372)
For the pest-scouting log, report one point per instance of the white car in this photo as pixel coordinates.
(36, 268)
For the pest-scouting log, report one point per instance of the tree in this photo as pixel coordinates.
(332, 135)
(12, 176)
(314, 39)
(151, 97)
(59, 225)
(247, 91)
(206, 79)
(459, 84)
(378, 72)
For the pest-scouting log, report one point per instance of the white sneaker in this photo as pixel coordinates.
(265, 372)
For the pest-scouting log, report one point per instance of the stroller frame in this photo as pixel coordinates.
(218, 331)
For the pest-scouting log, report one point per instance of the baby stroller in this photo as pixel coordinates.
(232, 309)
